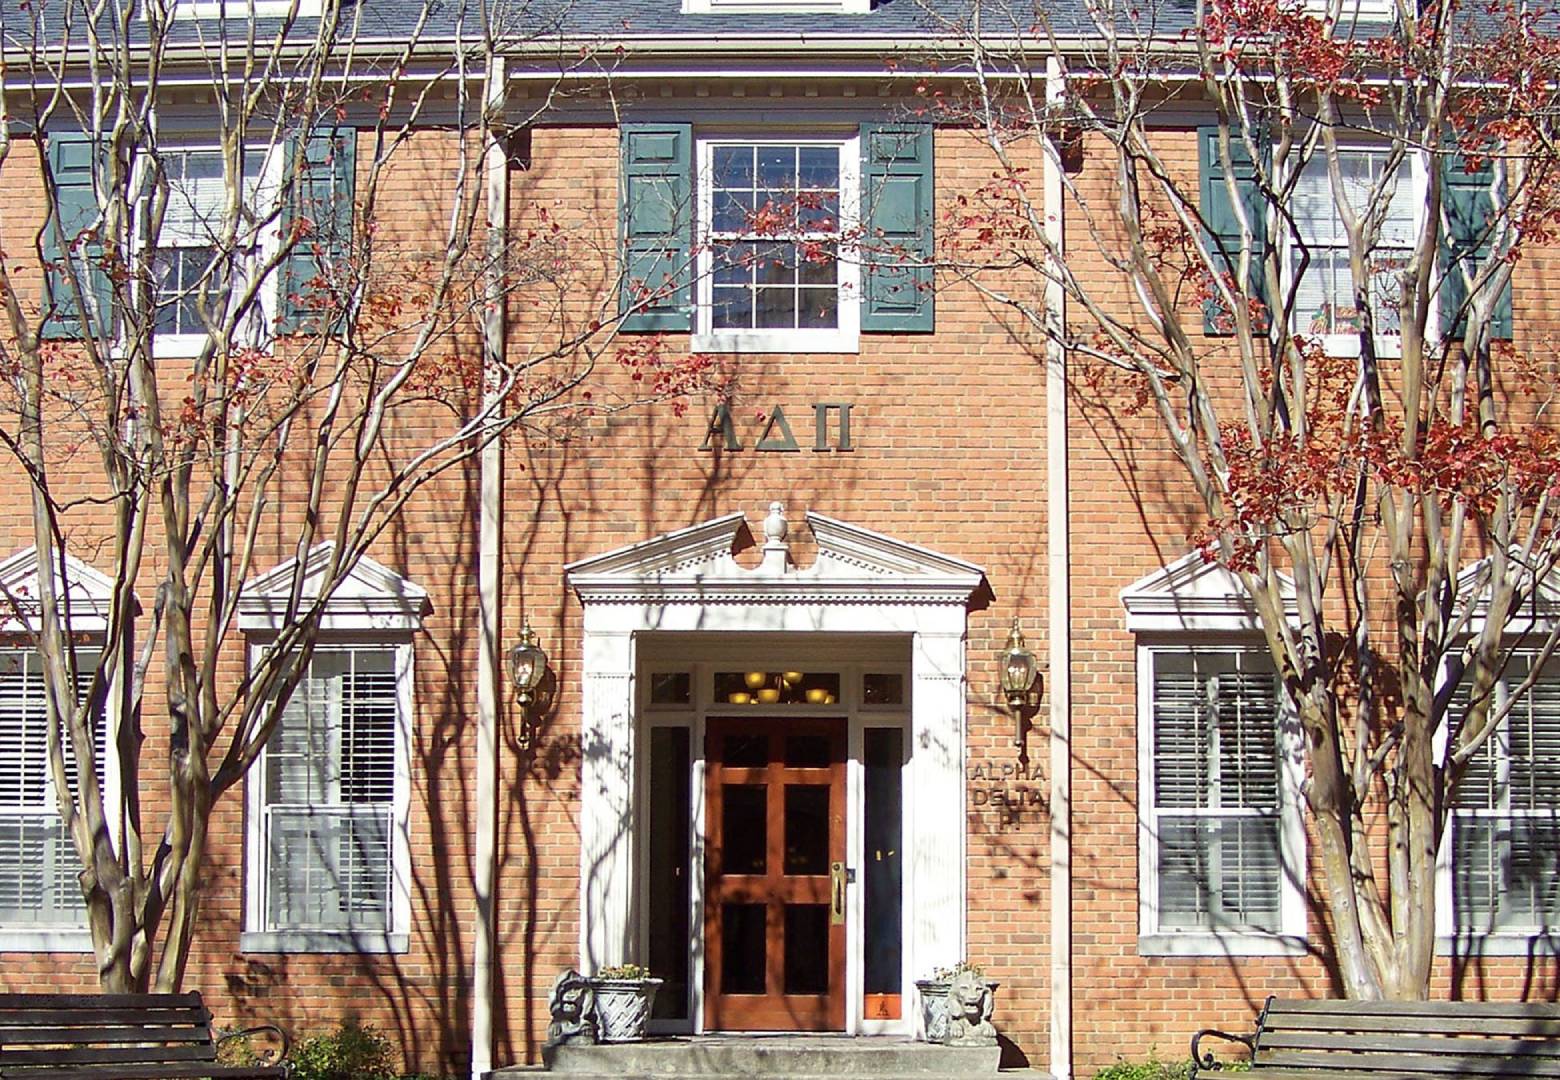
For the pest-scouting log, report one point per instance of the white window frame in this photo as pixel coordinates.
(258, 935)
(1365, 12)
(844, 338)
(777, 7)
(1154, 940)
(241, 9)
(1348, 344)
(1452, 939)
(269, 239)
(72, 937)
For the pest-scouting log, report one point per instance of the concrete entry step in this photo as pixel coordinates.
(793, 1056)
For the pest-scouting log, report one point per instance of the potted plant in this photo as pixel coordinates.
(934, 997)
(624, 995)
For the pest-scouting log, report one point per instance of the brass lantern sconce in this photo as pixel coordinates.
(527, 669)
(1020, 682)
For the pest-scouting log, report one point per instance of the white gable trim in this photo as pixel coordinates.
(90, 594)
(698, 564)
(1537, 613)
(777, 7)
(1194, 594)
(372, 597)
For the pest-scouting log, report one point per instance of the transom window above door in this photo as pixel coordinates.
(776, 220)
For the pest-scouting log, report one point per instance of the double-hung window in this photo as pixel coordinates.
(1218, 852)
(775, 266)
(39, 886)
(194, 265)
(1505, 843)
(333, 789)
(1319, 253)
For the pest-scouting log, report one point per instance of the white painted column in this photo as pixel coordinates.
(935, 803)
(607, 800)
(1059, 614)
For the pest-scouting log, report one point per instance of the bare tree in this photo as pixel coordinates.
(249, 343)
(1369, 455)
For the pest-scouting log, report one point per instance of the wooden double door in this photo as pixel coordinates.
(775, 874)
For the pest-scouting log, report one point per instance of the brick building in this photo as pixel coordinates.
(773, 626)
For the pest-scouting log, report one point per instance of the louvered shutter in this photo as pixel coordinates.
(1468, 200)
(330, 789)
(655, 224)
(73, 158)
(897, 228)
(319, 218)
(38, 863)
(1224, 229)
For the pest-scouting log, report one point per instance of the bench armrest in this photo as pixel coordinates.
(1204, 1060)
(281, 1058)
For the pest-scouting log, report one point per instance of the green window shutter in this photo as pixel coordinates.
(1223, 223)
(323, 167)
(896, 218)
(1466, 198)
(655, 226)
(72, 157)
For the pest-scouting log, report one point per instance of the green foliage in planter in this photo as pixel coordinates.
(948, 974)
(629, 972)
(1154, 1069)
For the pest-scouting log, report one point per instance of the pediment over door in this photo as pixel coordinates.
(699, 563)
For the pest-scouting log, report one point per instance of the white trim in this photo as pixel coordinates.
(323, 941)
(844, 338)
(863, 585)
(776, 7)
(1193, 594)
(90, 593)
(1153, 940)
(257, 935)
(243, 10)
(65, 940)
(371, 598)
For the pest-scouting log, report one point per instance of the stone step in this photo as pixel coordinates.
(532, 1072)
(794, 1057)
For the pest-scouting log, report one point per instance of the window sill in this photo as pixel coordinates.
(71, 940)
(1526, 944)
(1211, 944)
(323, 941)
(775, 341)
(1387, 345)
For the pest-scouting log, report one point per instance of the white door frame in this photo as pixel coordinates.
(861, 583)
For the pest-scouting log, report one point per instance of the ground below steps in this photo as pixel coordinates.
(745, 1057)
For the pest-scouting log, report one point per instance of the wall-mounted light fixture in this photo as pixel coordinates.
(1020, 681)
(527, 669)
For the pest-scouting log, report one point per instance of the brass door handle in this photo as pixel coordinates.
(837, 893)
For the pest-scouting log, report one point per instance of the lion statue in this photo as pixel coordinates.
(573, 1008)
(969, 1011)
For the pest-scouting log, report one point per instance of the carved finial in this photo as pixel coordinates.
(775, 525)
(777, 553)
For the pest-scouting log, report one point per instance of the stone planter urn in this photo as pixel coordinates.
(935, 1012)
(623, 1005)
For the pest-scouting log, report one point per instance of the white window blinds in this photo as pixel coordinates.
(330, 778)
(39, 883)
(1505, 828)
(1216, 791)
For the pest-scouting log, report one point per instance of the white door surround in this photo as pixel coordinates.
(861, 583)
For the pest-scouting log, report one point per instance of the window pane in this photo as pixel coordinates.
(667, 870)
(1220, 873)
(806, 948)
(818, 307)
(330, 772)
(807, 829)
(733, 166)
(742, 951)
(819, 167)
(883, 842)
(744, 828)
(777, 169)
(775, 308)
(732, 211)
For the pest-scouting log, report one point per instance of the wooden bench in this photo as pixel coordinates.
(118, 1037)
(1396, 1040)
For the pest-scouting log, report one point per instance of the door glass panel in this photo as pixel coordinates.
(742, 948)
(807, 948)
(808, 751)
(744, 828)
(667, 873)
(745, 751)
(883, 689)
(883, 840)
(807, 828)
(671, 688)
